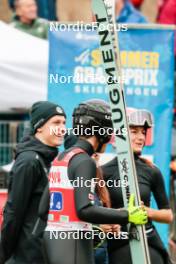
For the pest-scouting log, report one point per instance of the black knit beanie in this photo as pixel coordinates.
(42, 111)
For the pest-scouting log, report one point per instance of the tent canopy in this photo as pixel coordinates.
(23, 69)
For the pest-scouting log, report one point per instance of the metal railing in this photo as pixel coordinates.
(10, 134)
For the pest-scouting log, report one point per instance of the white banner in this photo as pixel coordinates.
(23, 69)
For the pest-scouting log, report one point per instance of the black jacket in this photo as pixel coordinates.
(27, 182)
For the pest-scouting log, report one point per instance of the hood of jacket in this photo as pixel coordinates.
(30, 143)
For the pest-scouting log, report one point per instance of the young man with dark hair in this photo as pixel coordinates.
(28, 179)
(72, 207)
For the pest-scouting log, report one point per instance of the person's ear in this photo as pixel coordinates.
(18, 11)
(39, 130)
(103, 148)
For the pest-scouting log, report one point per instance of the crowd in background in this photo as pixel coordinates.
(27, 14)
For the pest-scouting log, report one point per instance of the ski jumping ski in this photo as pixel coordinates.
(103, 11)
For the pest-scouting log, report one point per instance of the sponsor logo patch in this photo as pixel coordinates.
(56, 201)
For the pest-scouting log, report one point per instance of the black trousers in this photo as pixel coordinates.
(122, 256)
(67, 250)
(158, 253)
